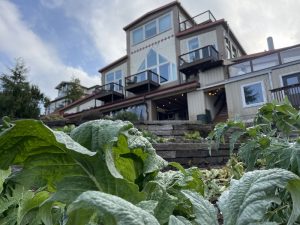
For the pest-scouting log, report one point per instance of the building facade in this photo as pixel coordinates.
(180, 67)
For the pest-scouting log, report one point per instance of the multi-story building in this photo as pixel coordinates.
(61, 100)
(180, 67)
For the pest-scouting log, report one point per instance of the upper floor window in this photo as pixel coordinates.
(137, 35)
(193, 44)
(152, 28)
(164, 23)
(114, 77)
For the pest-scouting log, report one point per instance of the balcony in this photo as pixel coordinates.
(142, 82)
(202, 18)
(292, 92)
(199, 59)
(109, 92)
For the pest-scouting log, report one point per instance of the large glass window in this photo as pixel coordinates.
(160, 66)
(253, 94)
(151, 59)
(290, 55)
(265, 62)
(164, 23)
(239, 69)
(114, 77)
(192, 45)
(137, 35)
(152, 28)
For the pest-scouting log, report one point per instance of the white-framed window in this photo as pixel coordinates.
(193, 44)
(114, 77)
(164, 23)
(253, 94)
(150, 29)
(138, 35)
(154, 27)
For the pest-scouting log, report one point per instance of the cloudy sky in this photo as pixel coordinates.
(59, 39)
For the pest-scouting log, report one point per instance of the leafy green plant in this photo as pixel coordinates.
(106, 172)
(195, 135)
(267, 142)
(102, 156)
(126, 116)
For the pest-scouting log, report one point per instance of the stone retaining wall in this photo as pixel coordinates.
(193, 154)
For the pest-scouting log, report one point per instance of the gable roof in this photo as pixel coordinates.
(123, 58)
(157, 10)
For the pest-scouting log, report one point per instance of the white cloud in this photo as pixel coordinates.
(46, 68)
(251, 20)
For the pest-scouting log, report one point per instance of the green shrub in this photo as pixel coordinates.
(194, 135)
(126, 116)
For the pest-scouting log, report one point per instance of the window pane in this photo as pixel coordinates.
(142, 66)
(290, 55)
(151, 59)
(137, 35)
(150, 29)
(239, 69)
(291, 79)
(109, 77)
(118, 75)
(253, 94)
(165, 23)
(265, 62)
(162, 59)
(193, 44)
(164, 72)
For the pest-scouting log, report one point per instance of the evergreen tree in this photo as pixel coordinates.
(19, 99)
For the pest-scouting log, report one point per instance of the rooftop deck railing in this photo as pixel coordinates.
(204, 17)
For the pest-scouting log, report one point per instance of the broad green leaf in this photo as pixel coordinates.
(54, 159)
(127, 153)
(30, 202)
(204, 211)
(248, 199)
(109, 209)
(179, 220)
(166, 188)
(3, 175)
(293, 187)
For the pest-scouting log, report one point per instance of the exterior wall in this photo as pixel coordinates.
(122, 67)
(207, 38)
(234, 97)
(55, 105)
(84, 106)
(211, 76)
(163, 44)
(278, 73)
(196, 104)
